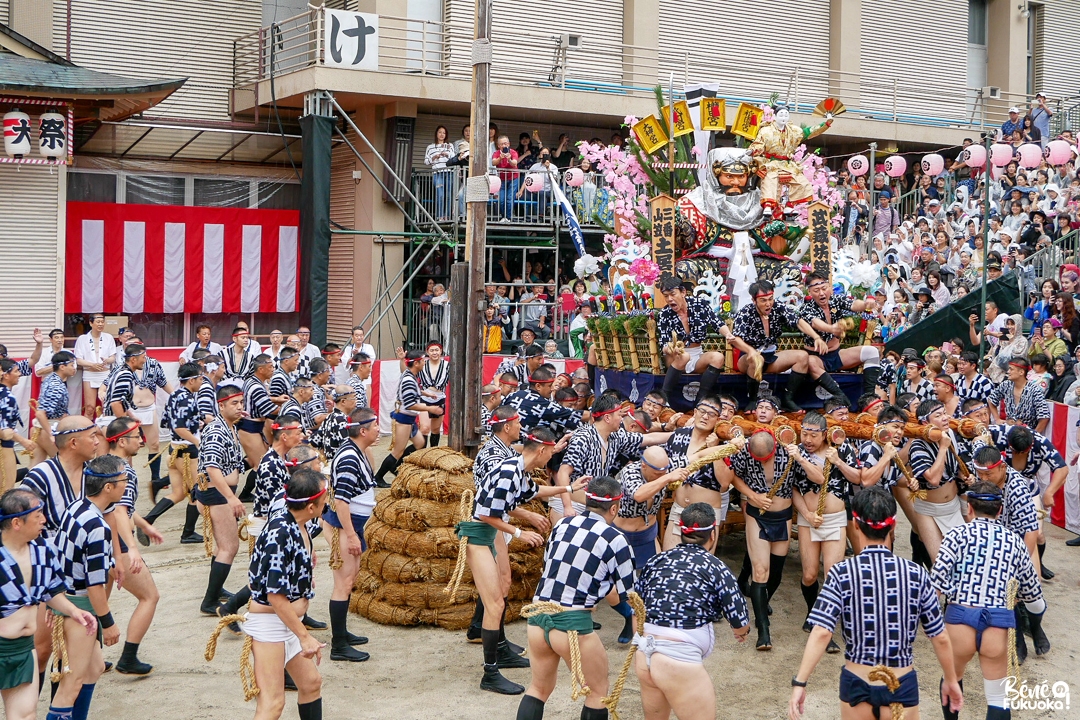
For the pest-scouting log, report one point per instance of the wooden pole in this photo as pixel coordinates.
(476, 228)
(458, 349)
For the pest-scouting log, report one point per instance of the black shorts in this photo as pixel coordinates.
(187, 451)
(772, 524)
(211, 496)
(255, 427)
(855, 691)
(831, 360)
(769, 358)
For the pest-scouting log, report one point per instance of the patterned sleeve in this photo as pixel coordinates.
(261, 404)
(274, 562)
(830, 601)
(1022, 516)
(120, 390)
(1042, 407)
(741, 324)
(279, 385)
(348, 480)
(97, 555)
(738, 464)
(53, 400)
(497, 493)
(921, 457)
(1050, 454)
(730, 602)
(9, 412)
(409, 393)
(131, 491)
(621, 565)
(929, 608)
(998, 393)
(576, 455)
(887, 376)
(157, 374)
(626, 443)
(942, 575)
(790, 316)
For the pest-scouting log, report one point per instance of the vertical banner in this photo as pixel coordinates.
(820, 246)
(662, 212)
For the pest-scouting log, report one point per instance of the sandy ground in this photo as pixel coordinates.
(428, 672)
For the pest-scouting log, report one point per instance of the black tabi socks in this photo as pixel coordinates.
(919, 553)
(810, 593)
(588, 713)
(239, 599)
(219, 573)
(776, 573)
(708, 381)
(531, 708)
(310, 710)
(744, 574)
(490, 639)
(155, 468)
(389, 464)
(870, 377)
(433, 439)
(408, 451)
(249, 486)
(190, 518)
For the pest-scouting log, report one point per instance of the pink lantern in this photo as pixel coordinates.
(494, 184)
(858, 165)
(932, 164)
(574, 177)
(996, 171)
(895, 165)
(1029, 155)
(534, 182)
(1000, 154)
(974, 156)
(1058, 152)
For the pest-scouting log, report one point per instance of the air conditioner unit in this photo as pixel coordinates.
(569, 40)
(991, 92)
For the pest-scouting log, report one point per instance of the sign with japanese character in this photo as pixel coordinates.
(818, 216)
(650, 134)
(662, 212)
(682, 124)
(747, 121)
(351, 40)
(713, 114)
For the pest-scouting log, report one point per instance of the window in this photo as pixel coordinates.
(154, 190)
(977, 22)
(222, 193)
(279, 196)
(91, 187)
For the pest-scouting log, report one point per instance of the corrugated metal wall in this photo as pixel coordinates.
(1057, 58)
(4, 12)
(341, 284)
(182, 38)
(29, 252)
(941, 71)
(718, 34)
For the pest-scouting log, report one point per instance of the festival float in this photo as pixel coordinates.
(763, 207)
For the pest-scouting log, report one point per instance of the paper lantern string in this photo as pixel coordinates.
(886, 523)
(316, 496)
(28, 511)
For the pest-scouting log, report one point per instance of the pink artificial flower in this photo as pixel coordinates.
(645, 272)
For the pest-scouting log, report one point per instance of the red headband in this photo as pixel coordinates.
(242, 332)
(119, 435)
(298, 463)
(1017, 363)
(989, 467)
(771, 453)
(688, 529)
(316, 496)
(230, 397)
(511, 383)
(873, 404)
(639, 423)
(602, 413)
(359, 362)
(331, 352)
(495, 421)
(945, 379)
(533, 438)
(886, 523)
(275, 426)
(602, 498)
(763, 294)
(534, 381)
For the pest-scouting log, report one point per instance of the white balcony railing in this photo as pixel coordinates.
(442, 49)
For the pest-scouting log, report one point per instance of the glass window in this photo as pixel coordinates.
(158, 329)
(91, 187)
(154, 190)
(222, 193)
(279, 196)
(977, 22)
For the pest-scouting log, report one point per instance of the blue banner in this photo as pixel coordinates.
(571, 218)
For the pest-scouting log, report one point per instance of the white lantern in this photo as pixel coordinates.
(17, 133)
(52, 135)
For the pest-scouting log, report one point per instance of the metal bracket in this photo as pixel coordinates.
(318, 102)
(481, 52)
(477, 189)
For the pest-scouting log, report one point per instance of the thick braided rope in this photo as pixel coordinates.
(243, 532)
(60, 651)
(336, 561)
(823, 493)
(578, 687)
(721, 452)
(208, 522)
(3, 475)
(782, 479)
(611, 702)
(886, 675)
(905, 470)
(247, 670)
(1010, 602)
(464, 512)
(26, 452)
(188, 480)
(34, 435)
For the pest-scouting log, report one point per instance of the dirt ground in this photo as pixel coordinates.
(428, 672)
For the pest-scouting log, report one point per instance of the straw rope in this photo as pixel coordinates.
(208, 522)
(1010, 602)
(244, 533)
(60, 652)
(886, 675)
(247, 670)
(464, 512)
(782, 479)
(612, 700)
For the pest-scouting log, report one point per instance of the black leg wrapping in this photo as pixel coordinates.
(671, 380)
(752, 388)
(997, 713)
(919, 553)
(776, 573)
(531, 708)
(810, 593)
(870, 377)
(163, 506)
(945, 711)
(1038, 636)
(311, 710)
(826, 381)
(795, 383)
(219, 573)
(239, 600)
(588, 713)
(707, 382)
(389, 464)
(190, 519)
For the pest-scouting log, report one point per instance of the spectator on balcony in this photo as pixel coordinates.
(528, 149)
(1040, 117)
(505, 159)
(934, 212)
(1063, 176)
(563, 154)
(551, 350)
(550, 174)
(494, 324)
(493, 133)
(617, 141)
(1009, 126)
(1016, 217)
(436, 156)
(938, 291)
(528, 340)
(534, 312)
(886, 218)
(1029, 133)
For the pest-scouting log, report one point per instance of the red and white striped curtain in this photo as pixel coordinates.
(174, 259)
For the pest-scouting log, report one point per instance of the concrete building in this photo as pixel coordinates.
(914, 74)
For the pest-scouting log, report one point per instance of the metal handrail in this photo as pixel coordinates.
(443, 48)
(1044, 263)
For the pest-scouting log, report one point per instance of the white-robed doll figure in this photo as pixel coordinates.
(774, 151)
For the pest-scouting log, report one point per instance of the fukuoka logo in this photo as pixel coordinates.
(1019, 695)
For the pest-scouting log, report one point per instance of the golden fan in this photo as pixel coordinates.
(830, 105)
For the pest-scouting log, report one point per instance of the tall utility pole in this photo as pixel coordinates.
(477, 194)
